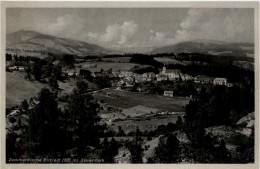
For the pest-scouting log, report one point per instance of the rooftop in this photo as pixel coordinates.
(220, 78)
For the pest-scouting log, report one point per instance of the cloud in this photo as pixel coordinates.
(235, 25)
(216, 24)
(68, 26)
(116, 35)
(159, 39)
(73, 27)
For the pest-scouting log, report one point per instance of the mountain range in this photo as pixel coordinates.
(209, 47)
(32, 43)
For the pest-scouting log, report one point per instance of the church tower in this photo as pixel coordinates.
(164, 70)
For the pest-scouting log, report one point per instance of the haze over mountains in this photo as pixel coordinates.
(32, 43)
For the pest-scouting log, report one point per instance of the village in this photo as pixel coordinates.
(131, 101)
(124, 84)
(126, 81)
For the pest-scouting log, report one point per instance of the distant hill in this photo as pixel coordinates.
(132, 50)
(209, 47)
(32, 43)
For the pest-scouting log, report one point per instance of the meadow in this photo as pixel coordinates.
(97, 66)
(124, 100)
(135, 106)
(18, 89)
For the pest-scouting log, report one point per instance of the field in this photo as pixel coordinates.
(125, 100)
(18, 89)
(130, 109)
(143, 124)
(117, 59)
(138, 111)
(97, 66)
(67, 86)
(165, 60)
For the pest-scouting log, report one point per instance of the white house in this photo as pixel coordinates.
(71, 73)
(168, 93)
(161, 78)
(220, 81)
(17, 68)
(229, 84)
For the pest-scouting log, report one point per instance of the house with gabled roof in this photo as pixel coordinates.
(220, 81)
(203, 79)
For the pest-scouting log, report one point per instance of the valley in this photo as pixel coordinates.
(108, 104)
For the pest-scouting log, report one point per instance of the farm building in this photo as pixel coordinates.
(17, 68)
(125, 74)
(229, 85)
(186, 77)
(220, 81)
(161, 78)
(72, 73)
(148, 76)
(202, 79)
(138, 78)
(168, 93)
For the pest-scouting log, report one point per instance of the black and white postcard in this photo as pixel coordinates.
(165, 84)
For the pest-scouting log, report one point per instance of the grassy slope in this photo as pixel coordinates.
(18, 89)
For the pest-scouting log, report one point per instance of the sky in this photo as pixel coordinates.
(136, 27)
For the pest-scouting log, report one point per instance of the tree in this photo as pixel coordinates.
(53, 82)
(106, 152)
(86, 74)
(45, 125)
(8, 57)
(136, 152)
(120, 131)
(167, 151)
(11, 148)
(27, 68)
(246, 150)
(102, 81)
(39, 68)
(57, 71)
(179, 122)
(25, 105)
(222, 154)
(37, 71)
(82, 111)
(110, 150)
(46, 70)
(68, 60)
